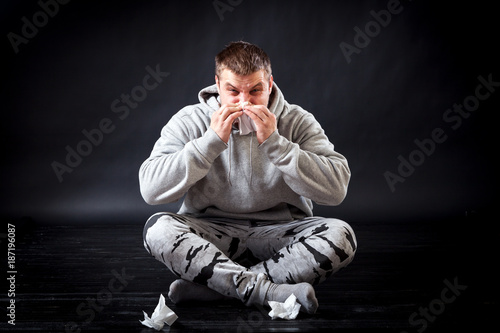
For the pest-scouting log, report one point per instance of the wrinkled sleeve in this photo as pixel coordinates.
(180, 157)
(310, 165)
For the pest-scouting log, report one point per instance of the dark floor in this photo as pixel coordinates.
(413, 277)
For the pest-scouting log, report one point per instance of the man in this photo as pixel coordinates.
(248, 165)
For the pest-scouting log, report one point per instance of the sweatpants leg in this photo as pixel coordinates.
(209, 253)
(191, 249)
(307, 250)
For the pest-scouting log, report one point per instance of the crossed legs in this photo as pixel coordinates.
(217, 259)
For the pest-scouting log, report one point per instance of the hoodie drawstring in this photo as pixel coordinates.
(251, 164)
(230, 159)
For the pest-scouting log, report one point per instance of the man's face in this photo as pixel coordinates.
(253, 88)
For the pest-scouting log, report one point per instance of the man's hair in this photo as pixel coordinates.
(242, 58)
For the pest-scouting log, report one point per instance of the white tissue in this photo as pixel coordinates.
(287, 310)
(161, 316)
(246, 123)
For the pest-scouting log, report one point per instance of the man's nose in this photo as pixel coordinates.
(245, 97)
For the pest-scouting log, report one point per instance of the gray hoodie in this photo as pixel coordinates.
(275, 181)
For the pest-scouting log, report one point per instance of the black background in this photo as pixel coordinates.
(394, 91)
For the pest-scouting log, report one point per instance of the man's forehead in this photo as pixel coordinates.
(228, 76)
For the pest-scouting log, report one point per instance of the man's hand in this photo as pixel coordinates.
(222, 120)
(265, 121)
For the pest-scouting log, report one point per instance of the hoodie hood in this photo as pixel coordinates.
(209, 97)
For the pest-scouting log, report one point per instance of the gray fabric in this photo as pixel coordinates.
(235, 258)
(277, 180)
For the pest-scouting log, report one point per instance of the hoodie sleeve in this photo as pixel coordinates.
(310, 165)
(182, 155)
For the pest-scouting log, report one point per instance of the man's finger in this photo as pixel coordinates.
(229, 109)
(259, 110)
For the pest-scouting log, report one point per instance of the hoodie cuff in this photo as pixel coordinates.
(210, 145)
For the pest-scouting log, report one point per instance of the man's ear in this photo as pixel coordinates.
(271, 84)
(217, 83)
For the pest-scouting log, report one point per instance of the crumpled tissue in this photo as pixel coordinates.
(246, 123)
(161, 316)
(287, 310)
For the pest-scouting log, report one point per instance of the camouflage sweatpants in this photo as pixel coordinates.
(231, 257)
